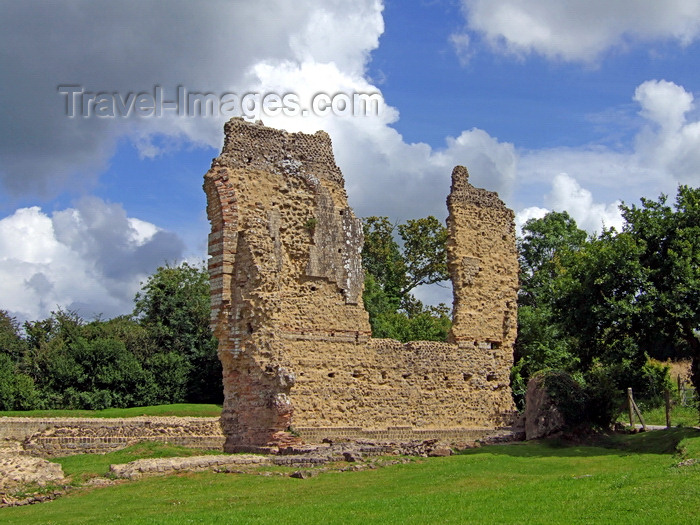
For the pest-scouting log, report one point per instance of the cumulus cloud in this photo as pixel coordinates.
(664, 103)
(568, 195)
(211, 48)
(219, 47)
(313, 46)
(669, 143)
(579, 30)
(90, 258)
(664, 153)
(384, 174)
(524, 215)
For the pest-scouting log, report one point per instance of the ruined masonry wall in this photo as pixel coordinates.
(483, 265)
(294, 338)
(68, 436)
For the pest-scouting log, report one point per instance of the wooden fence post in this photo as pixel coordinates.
(667, 397)
(629, 406)
(633, 406)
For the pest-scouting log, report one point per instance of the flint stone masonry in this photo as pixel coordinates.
(294, 337)
(68, 436)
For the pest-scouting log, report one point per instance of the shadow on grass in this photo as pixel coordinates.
(652, 442)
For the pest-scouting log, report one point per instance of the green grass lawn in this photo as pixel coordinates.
(684, 416)
(625, 479)
(182, 410)
(84, 466)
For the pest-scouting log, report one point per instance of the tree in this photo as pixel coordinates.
(539, 251)
(98, 374)
(17, 390)
(542, 342)
(582, 309)
(11, 342)
(601, 306)
(382, 259)
(393, 271)
(174, 307)
(424, 252)
(668, 242)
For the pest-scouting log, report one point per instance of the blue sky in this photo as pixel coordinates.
(556, 104)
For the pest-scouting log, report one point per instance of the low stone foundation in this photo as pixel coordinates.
(393, 434)
(69, 436)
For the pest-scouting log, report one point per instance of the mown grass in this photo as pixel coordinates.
(84, 466)
(625, 479)
(181, 410)
(687, 416)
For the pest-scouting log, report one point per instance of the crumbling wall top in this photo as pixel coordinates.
(463, 192)
(253, 146)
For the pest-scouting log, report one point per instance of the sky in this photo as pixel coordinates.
(567, 105)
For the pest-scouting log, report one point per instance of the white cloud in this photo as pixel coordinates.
(212, 47)
(580, 30)
(669, 143)
(568, 195)
(524, 215)
(665, 152)
(385, 175)
(461, 42)
(94, 250)
(664, 103)
(90, 258)
(306, 48)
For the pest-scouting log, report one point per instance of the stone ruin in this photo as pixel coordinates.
(299, 362)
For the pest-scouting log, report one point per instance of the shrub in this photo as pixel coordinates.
(603, 397)
(567, 394)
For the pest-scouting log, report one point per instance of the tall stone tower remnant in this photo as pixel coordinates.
(483, 265)
(295, 343)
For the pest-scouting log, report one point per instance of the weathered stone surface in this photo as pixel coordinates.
(160, 466)
(483, 265)
(68, 436)
(294, 338)
(542, 417)
(19, 470)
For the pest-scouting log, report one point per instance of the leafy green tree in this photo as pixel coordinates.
(125, 328)
(174, 307)
(383, 261)
(167, 373)
(98, 374)
(542, 342)
(424, 252)
(17, 390)
(583, 308)
(668, 244)
(11, 342)
(539, 254)
(48, 343)
(393, 271)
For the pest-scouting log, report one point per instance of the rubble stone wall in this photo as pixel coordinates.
(68, 436)
(294, 337)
